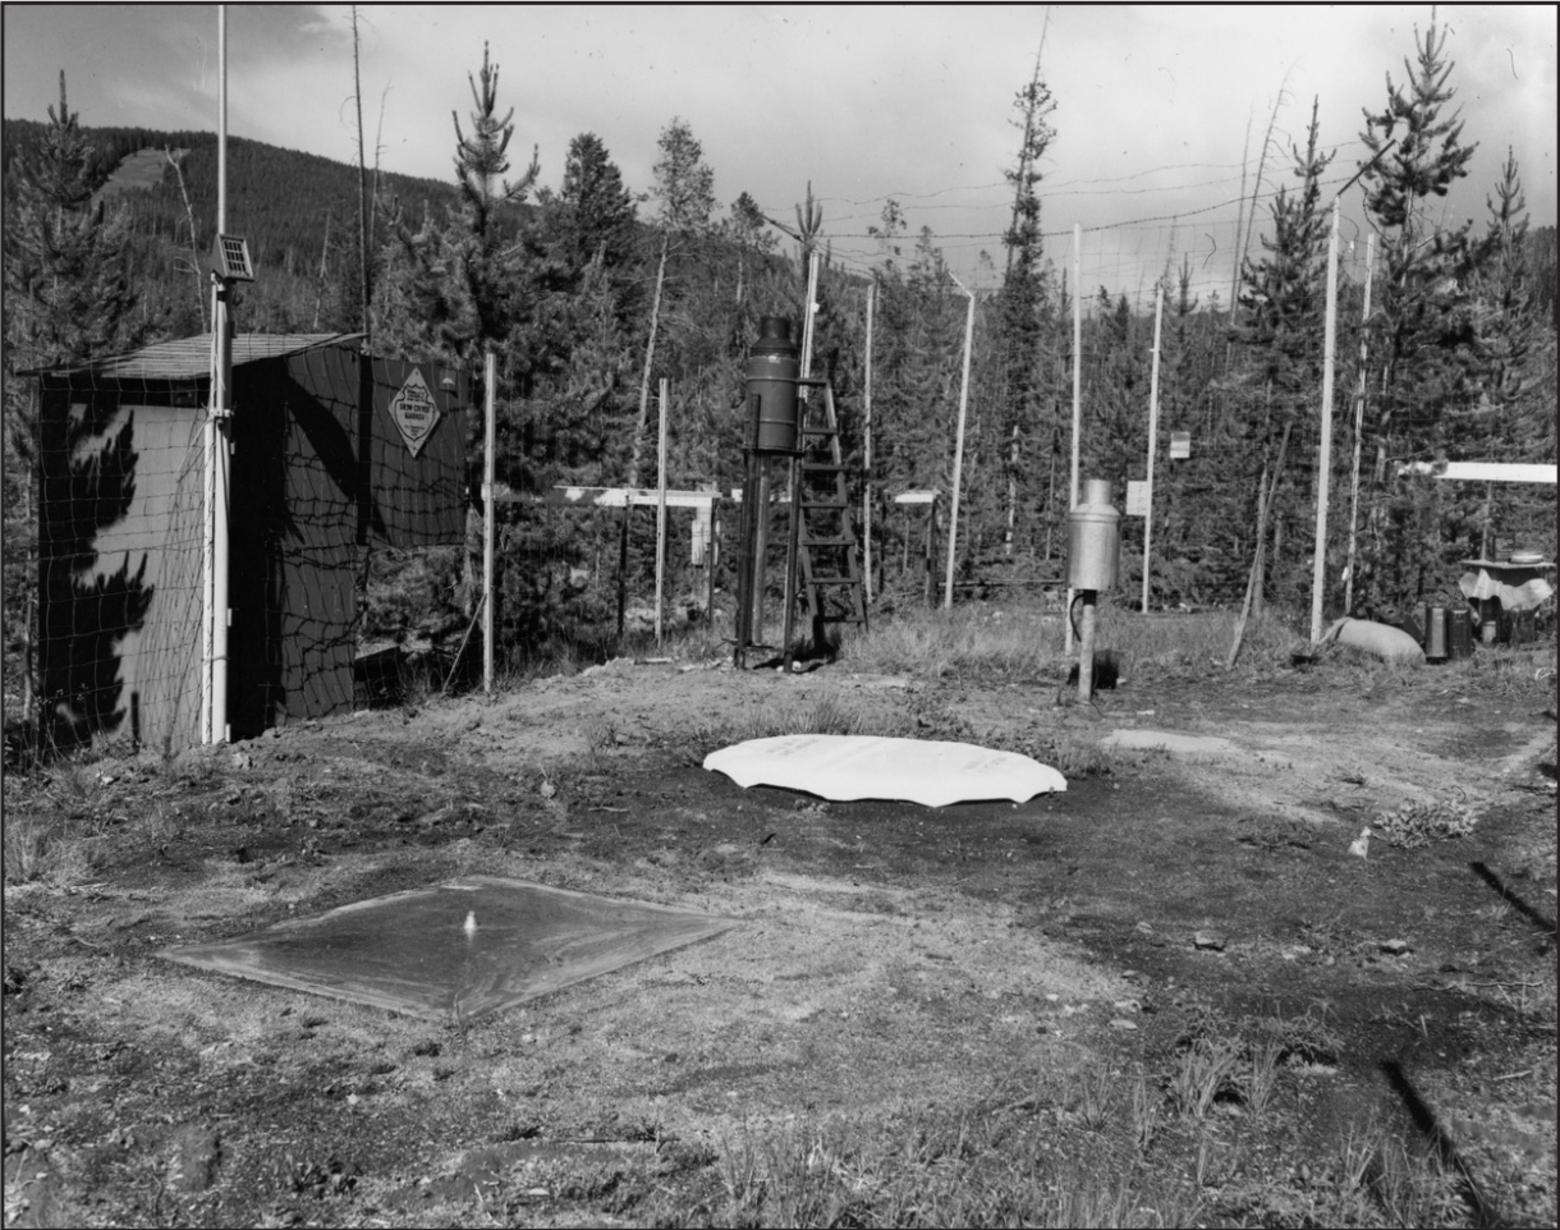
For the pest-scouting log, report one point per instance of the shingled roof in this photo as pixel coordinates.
(189, 358)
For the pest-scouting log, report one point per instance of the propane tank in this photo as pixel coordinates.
(774, 364)
(1093, 539)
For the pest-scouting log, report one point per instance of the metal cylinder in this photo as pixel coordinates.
(1435, 635)
(774, 365)
(1093, 540)
(1459, 634)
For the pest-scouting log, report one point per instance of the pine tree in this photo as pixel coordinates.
(1515, 411)
(1423, 331)
(684, 183)
(488, 254)
(596, 215)
(747, 229)
(1024, 316)
(68, 300)
(1283, 294)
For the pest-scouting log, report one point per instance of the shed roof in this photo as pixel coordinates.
(189, 358)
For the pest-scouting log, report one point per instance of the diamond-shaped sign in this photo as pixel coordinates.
(415, 411)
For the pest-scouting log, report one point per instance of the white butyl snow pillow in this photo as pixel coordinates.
(1383, 640)
(848, 767)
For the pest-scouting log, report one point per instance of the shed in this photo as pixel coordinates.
(331, 450)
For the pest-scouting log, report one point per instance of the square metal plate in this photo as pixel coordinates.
(459, 949)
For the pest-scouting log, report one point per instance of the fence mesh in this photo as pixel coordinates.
(357, 557)
(327, 466)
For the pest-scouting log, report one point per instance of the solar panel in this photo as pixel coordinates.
(230, 259)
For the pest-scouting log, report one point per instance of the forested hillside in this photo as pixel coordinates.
(298, 211)
(589, 295)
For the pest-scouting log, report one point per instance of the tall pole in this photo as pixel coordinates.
(1153, 435)
(218, 451)
(489, 562)
(1359, 427)
(866, 463)
(1324, 450)
(357, 91)
(1077, 406)
(807, 321)
(958, 447)
(639, 431)
(660, 515)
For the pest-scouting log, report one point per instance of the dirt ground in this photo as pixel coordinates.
(890, 960)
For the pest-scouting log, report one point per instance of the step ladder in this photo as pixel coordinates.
(830, 582)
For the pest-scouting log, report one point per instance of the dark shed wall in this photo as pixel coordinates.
(319, 469)
(293, 529)
(307, 503)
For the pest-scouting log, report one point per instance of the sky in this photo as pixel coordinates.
(1161, 110)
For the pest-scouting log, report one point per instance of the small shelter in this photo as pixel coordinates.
(331, 450)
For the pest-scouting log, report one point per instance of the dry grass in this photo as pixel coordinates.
(54, 825)
(824, 715)
(1027, 643)
(930, 1167)
(63, 821)
(1024, 643)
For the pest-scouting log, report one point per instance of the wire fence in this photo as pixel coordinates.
(334, 456)
(357, 551)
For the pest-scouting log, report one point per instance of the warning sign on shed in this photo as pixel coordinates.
(415, 412)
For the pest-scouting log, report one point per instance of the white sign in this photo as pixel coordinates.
(415, 411)
(1137, 498)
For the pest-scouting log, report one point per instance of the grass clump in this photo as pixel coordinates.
(932, 1167)
(1415, 825)
(54, 825)
(827, 714)
(1029, 643)
(1023, 643)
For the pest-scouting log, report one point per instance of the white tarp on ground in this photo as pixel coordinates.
(847, 767)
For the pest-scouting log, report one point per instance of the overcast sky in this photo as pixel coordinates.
(1154, 102)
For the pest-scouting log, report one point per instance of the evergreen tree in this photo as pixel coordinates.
(1514, 419)
(747, 228)
(1281, 330)
(1422, 334)
(596, 215)
(68, 300)
(1021, 425)
(684, 183)
(488, 255)
(591, 295)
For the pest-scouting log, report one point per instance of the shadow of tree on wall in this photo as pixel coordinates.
(86, 615)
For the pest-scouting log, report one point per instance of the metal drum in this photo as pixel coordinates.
(1435, 635)
(774, 365)
(1459, 634)
(1093, 539)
